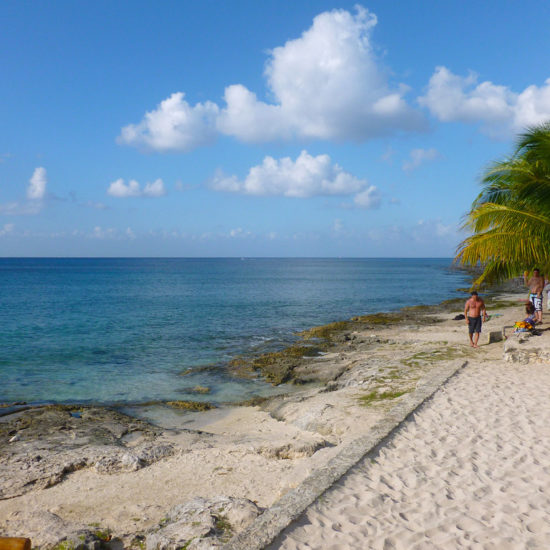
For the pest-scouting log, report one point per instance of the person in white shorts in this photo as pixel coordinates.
(536, 286)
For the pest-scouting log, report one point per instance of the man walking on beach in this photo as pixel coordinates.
(472, 311)
(536, 286)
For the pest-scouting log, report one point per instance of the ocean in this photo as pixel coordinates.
(123, 331)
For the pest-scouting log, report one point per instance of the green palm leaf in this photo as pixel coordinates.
(510, 218)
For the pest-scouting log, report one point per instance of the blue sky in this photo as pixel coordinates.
(304, 128)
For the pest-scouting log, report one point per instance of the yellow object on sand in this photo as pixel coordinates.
(15, 543)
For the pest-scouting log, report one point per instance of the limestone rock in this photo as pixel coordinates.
(201, 524)
(292, 450)
(40, 446)
(49, 531)
(524, 347)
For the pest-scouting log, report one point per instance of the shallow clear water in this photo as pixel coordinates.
(123, 330)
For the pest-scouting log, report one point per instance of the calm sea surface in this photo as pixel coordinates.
(123, 330)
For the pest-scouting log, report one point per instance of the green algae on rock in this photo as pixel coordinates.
(431, 356)
(200, 389)
(374, 396)
(276, 366)
(190, 405)
(325, 332)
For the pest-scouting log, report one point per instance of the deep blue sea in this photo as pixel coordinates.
(123, 330)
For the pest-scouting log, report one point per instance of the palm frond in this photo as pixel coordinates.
(510, 218)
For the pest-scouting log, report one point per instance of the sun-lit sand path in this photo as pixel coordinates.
(471, 469)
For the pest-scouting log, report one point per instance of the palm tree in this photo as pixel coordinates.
(510, 219)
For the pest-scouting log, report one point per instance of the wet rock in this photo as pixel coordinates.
(201, 524)
(190, 405)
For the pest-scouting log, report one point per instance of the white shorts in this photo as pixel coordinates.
(536, 300)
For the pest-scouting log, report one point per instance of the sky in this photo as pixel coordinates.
(248, 129)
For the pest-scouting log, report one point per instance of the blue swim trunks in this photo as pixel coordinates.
(474, 324)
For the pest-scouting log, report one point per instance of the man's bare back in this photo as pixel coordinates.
(535, 283)
(536, 286)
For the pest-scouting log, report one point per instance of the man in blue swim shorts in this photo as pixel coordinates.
(473, 309)
(536, 286)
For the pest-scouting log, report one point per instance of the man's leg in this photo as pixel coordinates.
(538, 309)
(476, 339)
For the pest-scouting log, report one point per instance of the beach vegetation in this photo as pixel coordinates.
(374, 396)
(425, 357)
(223, 527)
(510, 218)
(138, 542)
(103, 534)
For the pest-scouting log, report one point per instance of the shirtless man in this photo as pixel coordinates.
(472, 311)
(536, 286)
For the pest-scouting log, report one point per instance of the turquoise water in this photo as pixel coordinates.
(123, 330)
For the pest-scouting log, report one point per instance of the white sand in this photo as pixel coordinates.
(470, 470)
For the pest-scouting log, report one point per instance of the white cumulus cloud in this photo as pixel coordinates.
(173, 126)
(37, 184)
(500, 111)
(307, 176)
(133, 189)
(326, 84)
(155, 189)
(418, 157)
(370, 198)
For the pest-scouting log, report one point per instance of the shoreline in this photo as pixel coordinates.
(257, 453)
(277, 346)
(307, 338)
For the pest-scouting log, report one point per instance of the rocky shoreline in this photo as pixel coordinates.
(91, 477)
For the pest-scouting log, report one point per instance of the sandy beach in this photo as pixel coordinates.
(468, 469)
(471, 469)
